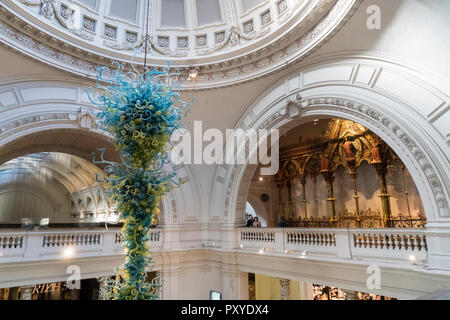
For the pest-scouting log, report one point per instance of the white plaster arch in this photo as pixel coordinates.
(38, 116)
(404, 107)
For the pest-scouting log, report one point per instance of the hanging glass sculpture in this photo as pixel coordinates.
(140, 111)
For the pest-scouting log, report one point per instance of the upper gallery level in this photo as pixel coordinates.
(225, 40)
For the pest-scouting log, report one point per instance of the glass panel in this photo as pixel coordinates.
(172, 13)
(208, 11)
(124, 9)
(90, 3)
(248, 4)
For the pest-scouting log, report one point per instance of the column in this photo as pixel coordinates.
(291, 199)
(316, 199)
(26, 293)
(381, 169)
(285, 289)
(305, 204)
(329, 178)
(356, 197)
(378, 161)
(405, 191)
(280, 185)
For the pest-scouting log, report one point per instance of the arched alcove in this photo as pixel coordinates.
(64, 121)
(329, 89)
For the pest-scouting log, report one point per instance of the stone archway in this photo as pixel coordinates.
(45, 116)
(332, 90)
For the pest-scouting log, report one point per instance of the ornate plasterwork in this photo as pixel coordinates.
(233, 39)
(291, 47)
(140, 46)
(294, 107)
(53, 8)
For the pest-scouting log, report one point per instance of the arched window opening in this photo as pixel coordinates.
(337, 173)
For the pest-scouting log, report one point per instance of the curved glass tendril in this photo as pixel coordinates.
(140, 111)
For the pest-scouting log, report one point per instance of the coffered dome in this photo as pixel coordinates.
(227, 40)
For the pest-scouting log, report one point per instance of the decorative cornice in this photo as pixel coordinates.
(26, 38)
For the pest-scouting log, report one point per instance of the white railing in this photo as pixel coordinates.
(368, 244)
(36, 245)
(357, 244)
(391, 244)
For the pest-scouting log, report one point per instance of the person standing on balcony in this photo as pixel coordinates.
(250, 221)
(282, 223)
(256, 223)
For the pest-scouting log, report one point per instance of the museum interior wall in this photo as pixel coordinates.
(199, 247)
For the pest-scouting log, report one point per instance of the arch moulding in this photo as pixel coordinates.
(57, 116)
(394, 102)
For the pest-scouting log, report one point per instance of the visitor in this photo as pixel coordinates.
(250, 221)
(256, 223)
(282, 223)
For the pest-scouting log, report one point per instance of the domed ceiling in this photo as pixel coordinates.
(227, 41)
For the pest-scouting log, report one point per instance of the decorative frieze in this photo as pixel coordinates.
(201, 41)
(110, 32)
(163, 41)
(131, 37)
(219, 37)
(248, 26)
(183, 42)
(266, 18)
(282, 6)
(89, 23)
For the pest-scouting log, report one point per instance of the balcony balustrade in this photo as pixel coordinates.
(389, 245)
(399, 245)
(20, 246)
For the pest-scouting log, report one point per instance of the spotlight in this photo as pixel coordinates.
(261, 179)
(68, 252)
(193, 74)
(261, 251)
(316, 121)
(304, 254)
(286, 252)
(241, 245)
